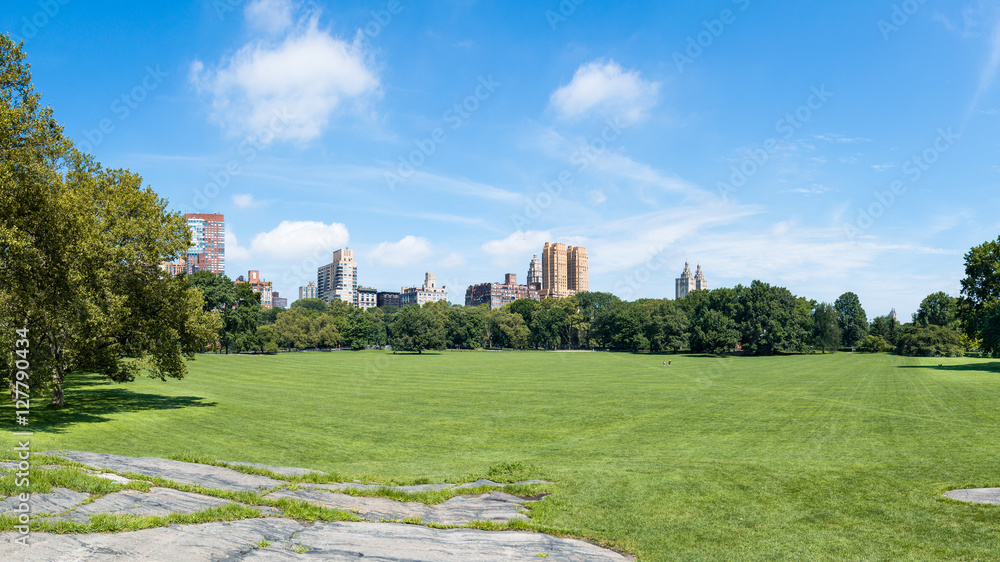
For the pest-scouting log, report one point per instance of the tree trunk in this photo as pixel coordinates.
(58, 399)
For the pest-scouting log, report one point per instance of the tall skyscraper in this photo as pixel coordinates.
(535, 273)
(577, 270)
(688, 282)
(553, 270)
(208, 239)
(338, 280)
(565, 270)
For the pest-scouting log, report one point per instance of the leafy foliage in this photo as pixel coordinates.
(416, 329)
(979, 305)
(930, 341)
(851, 319)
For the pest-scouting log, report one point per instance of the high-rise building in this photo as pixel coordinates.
(577, 270)
(208, 243)
(367, 298)
(688, 282)
(565, 270)
(554, 270)
(338, 280)
(259, 286)
(496, 295)
(308, 291)
(429, 292)
(535, 273)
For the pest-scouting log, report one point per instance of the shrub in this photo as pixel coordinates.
(930, 341)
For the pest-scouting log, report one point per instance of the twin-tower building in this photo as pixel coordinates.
(688, 282)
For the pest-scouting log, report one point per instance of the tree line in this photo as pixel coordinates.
(759, 319)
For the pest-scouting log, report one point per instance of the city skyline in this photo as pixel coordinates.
(826, 149)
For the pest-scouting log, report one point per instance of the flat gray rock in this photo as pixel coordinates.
(10, 466)
(976, 495)
(183, 472)
(282, 470)
(493, 506)
(158, 501)
(56, 501)
(239, 540)
(206, 541)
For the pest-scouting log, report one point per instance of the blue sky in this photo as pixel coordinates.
(825, 147)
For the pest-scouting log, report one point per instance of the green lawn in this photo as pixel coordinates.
(809, 457)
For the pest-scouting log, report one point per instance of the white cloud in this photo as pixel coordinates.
(246, 200)
(604, 86)
(233, 249)
(298, 240)
(270, 16)
(883, 167)
(597, 197)
(411, 250)
(519, 245)
(289, 90)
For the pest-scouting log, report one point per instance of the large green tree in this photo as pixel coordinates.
(937, 309)
(240, 322)
(80, 246)
(714, 332)
(507, 329)
(466, 326)
(416, 329)
(767, 319)
(979, 305)
(826, 330)
(851, 319)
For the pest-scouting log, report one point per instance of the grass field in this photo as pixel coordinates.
(833, 457)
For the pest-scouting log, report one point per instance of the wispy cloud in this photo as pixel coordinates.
(840, 139)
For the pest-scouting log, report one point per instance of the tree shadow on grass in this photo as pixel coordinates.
(993, 367)
(92, 398)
